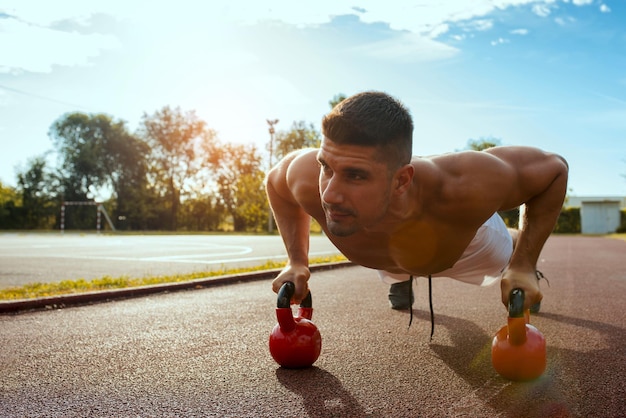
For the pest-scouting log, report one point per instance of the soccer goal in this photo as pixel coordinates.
(100, 211)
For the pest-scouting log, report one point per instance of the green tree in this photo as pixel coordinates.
(99, 157)
(240, 190)
(10, 203)
(299, 136)
(483, 143)
(201, 213)
(337, 99)
(178, 144)
(39, 202)
(80, 141)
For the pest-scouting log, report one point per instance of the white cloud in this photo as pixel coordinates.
(541, 10)
(481, 24)
(562, 21)
(30, 43)
(39, 48)
(500, 41)
(408, 47)
(582, 2)
(605, 9)
(519, 32)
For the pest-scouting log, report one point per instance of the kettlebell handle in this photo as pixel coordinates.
(516, 303)
(286, 293)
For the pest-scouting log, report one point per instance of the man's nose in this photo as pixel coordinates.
(331, 193)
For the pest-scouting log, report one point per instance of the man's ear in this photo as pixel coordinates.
(403, 178)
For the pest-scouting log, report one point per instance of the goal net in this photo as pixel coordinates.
(100, 211)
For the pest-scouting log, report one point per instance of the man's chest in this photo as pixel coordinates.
(418, 249)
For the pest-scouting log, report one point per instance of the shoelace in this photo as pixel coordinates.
(430, 300)
(430, 304)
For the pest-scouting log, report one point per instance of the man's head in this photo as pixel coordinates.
(365, 161)
(373, 119)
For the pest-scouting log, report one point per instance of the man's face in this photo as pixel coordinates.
(354, 187)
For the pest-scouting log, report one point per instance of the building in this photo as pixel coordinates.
(598, 214)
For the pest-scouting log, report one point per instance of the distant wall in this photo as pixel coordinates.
(598, 214)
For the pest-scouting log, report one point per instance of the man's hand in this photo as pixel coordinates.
(299, 276)
(527, 281)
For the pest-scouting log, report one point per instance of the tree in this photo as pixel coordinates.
(38, 195)
(239, 180)
(80, 141)
(10, 202)
(178, 143)
(337, 99)
(99, 157)
(299, 136)
(201, 213)
(483, 143)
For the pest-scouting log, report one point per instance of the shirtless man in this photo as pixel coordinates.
(414, 216)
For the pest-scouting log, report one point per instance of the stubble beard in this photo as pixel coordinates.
(339, 228)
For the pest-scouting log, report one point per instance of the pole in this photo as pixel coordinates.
(271, 123)
(63, 217)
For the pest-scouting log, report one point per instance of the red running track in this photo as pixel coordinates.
(204, 352)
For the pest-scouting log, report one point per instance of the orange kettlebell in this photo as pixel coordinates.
(295, 342)
(518, 350)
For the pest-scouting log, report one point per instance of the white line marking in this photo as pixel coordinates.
(184, 259)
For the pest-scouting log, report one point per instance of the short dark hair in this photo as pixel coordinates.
(373, 119)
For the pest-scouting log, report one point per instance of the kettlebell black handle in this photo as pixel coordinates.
(516, 303)
(286, 293)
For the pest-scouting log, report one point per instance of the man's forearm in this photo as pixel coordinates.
(540, 215)
(293, 224)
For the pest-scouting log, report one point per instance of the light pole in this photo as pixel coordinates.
(271, 123)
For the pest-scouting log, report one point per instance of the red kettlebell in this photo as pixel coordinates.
(295, 342)
(518, 350)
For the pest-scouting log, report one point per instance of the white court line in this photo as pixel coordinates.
(168, 259)
(244, 250)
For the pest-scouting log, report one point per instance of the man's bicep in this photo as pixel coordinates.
(533, 172)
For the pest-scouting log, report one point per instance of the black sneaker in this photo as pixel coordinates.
(401, 295)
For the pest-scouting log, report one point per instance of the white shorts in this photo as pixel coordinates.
(482, 262)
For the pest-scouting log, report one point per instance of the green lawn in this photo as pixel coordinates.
(65, 287)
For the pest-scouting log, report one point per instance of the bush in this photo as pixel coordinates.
(568, 222)
(622, 225)
(510, 217)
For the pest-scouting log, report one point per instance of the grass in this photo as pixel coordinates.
(65, 287)
(618, 236)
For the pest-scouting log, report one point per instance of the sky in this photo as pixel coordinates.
(543, 73)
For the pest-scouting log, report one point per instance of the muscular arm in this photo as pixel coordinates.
(293, 224)
(540, 182)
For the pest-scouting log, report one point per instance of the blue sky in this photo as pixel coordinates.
(545, 73)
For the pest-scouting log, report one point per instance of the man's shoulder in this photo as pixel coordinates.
(303, 162)
(303, 172)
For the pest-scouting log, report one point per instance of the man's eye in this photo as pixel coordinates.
(325, 169)
(356, 175)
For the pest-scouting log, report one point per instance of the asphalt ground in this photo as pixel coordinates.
(205, 352)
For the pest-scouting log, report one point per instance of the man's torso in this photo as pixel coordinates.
(426, 244)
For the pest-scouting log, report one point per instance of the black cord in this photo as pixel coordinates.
(410, 301)
(430, 303)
